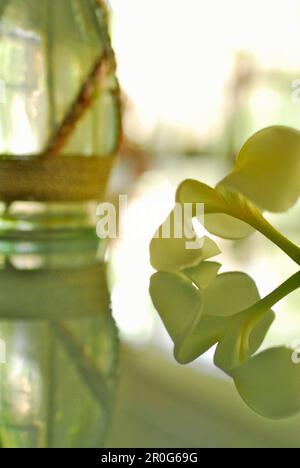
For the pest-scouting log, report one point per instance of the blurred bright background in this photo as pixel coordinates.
(198, 78)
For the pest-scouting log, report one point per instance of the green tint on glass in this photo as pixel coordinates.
(53, 392)
(58, 383)
(48, 48)
(60, 97)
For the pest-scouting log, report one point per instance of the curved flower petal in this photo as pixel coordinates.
(242, 338)
(198, 319)
(227, 227)
(267, 170)
(192, 191)
(222, 217)
(204, 334)
(177, 301)
(179, 305)
(172, 253)
(225, 297)
(231, 293)
(203, 274)
(269, 383)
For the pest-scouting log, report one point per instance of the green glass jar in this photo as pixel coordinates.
(59, 113)
(59, 135)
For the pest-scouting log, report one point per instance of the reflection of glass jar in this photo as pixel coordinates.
(59, 344)
(59, 113)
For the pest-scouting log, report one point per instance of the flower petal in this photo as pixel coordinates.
(242, 338)
(269, 383)
(220, 218)
(177, 301)
(267, 169)
(203, 274)
(173, 253)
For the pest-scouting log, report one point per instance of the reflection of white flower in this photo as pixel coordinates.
(2, 352)
(24, 387)
(296, 91)
(296, 354)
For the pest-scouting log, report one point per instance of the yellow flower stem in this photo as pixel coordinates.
(259, 308)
